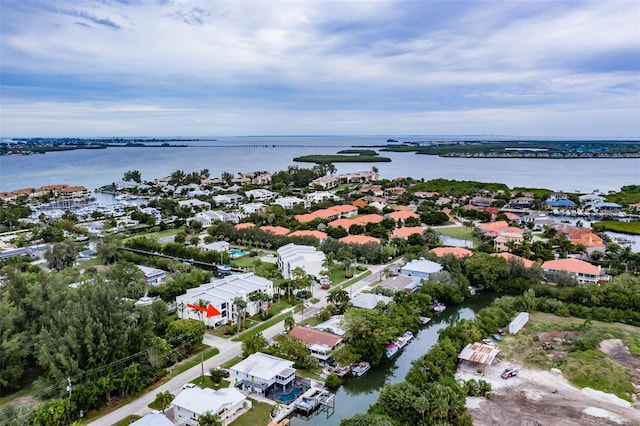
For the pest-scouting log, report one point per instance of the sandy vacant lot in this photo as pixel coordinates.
(544, 398)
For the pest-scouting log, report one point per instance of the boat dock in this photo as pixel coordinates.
(306, 403)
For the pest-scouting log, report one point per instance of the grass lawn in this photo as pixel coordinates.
(457, 232)
(127, 420)
(623, 227)
(208, 383)
(89, 262)
(231, 362)
(244, 262)
(159, 234)
(260, 414)
(194, 360)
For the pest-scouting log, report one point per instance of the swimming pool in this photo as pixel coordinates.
(236, 253)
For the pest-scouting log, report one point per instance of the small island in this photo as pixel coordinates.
(345, 156)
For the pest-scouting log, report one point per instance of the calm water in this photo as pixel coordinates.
(95, 168)
(356, 394)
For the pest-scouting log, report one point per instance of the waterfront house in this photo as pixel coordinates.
(583, 271)
(260, 373)
(226, 403)
(153, 276)
(420, 268)
(292, 256)
(370, 300)
(215, 246)
(320, 343)
(458, 252)
(221, 293)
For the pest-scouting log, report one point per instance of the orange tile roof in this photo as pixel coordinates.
(278, 230)
(317, 337)
(316, 234)
(358, 239)
(576, 266)
(402, 215)
(511, 216)
(245, 225)
(493, 226)
(456, 251)
(307, 217)
(362, 220)
(326, 213)
(410, 208)
(359, 203)
(508, 256)
(407, 231)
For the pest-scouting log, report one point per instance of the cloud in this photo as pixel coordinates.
(356, 59)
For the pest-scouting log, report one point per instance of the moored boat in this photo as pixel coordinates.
(359, 368)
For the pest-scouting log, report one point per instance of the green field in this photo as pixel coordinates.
(623, 227)
(462, 232)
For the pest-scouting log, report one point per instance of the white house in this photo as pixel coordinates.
(216, 246)
(260, 373)
(249, 208)
(153, 419)
(153, 276)
(228, 199)
(260, 194)
(221, 293)
(289, 202)
(226, 403)
(207, 218)
(320, 196)
(194, 202)
(370, 300)
(420, 268)
(292, 256)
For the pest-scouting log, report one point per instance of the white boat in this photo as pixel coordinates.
(392, 350)
(360, 368)
(425, 320)
(439, 307)
(404, 339)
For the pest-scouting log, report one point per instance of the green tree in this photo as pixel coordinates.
(61, 255)
(368, 333)
(164, 399)
(108, 248)
(132, 175)
(216, 375)
(128, 279)
(255, 343)
(186, 333)
(485, 270)
(289, 323)
(209, 419)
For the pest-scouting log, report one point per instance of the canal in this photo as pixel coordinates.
(357, 393)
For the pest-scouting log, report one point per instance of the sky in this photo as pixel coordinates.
(101, 68)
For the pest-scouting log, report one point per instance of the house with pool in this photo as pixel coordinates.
(268, 376)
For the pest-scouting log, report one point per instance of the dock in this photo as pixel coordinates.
(306, 403)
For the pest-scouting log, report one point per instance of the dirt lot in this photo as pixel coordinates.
(538, 397)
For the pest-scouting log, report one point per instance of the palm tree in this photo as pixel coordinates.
(289, 323)
(346, 263)
(209, 419)
(164, 398)
(201, 303)
(241, 309)
(181, 307)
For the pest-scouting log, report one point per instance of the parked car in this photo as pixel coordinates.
(488, 342)
(188, 386)
(509, 372)
(496, 338)
(225, 373)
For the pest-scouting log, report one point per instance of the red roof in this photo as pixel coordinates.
(456, 251)
(316, 234)
(315, 337)
(407, 231)
(278, 230)
(358, 239)
(402, 215)
(575, 266)
(244, 225)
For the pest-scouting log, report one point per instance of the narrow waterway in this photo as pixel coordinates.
(356, 394)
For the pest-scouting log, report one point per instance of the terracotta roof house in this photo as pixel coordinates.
(512, 257)
(316, 234)
(277, 230)
(333, 212)
(320, 343)
(585, 272)
(511, 216)
(406, 232)
(493, 226)
(409, 208)
(359, 239)
(501, 242)
(402, 215)
(394, 192)
(362, 220)
(456, 251)
(245, 225)
(359, 203)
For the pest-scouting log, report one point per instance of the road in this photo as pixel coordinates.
(228, 350)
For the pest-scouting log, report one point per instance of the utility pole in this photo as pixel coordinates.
(69, 386)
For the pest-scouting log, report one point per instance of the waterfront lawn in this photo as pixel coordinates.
(462, 232)
(622, 227)
(260, 414)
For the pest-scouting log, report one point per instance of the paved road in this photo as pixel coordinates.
(228, 350)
